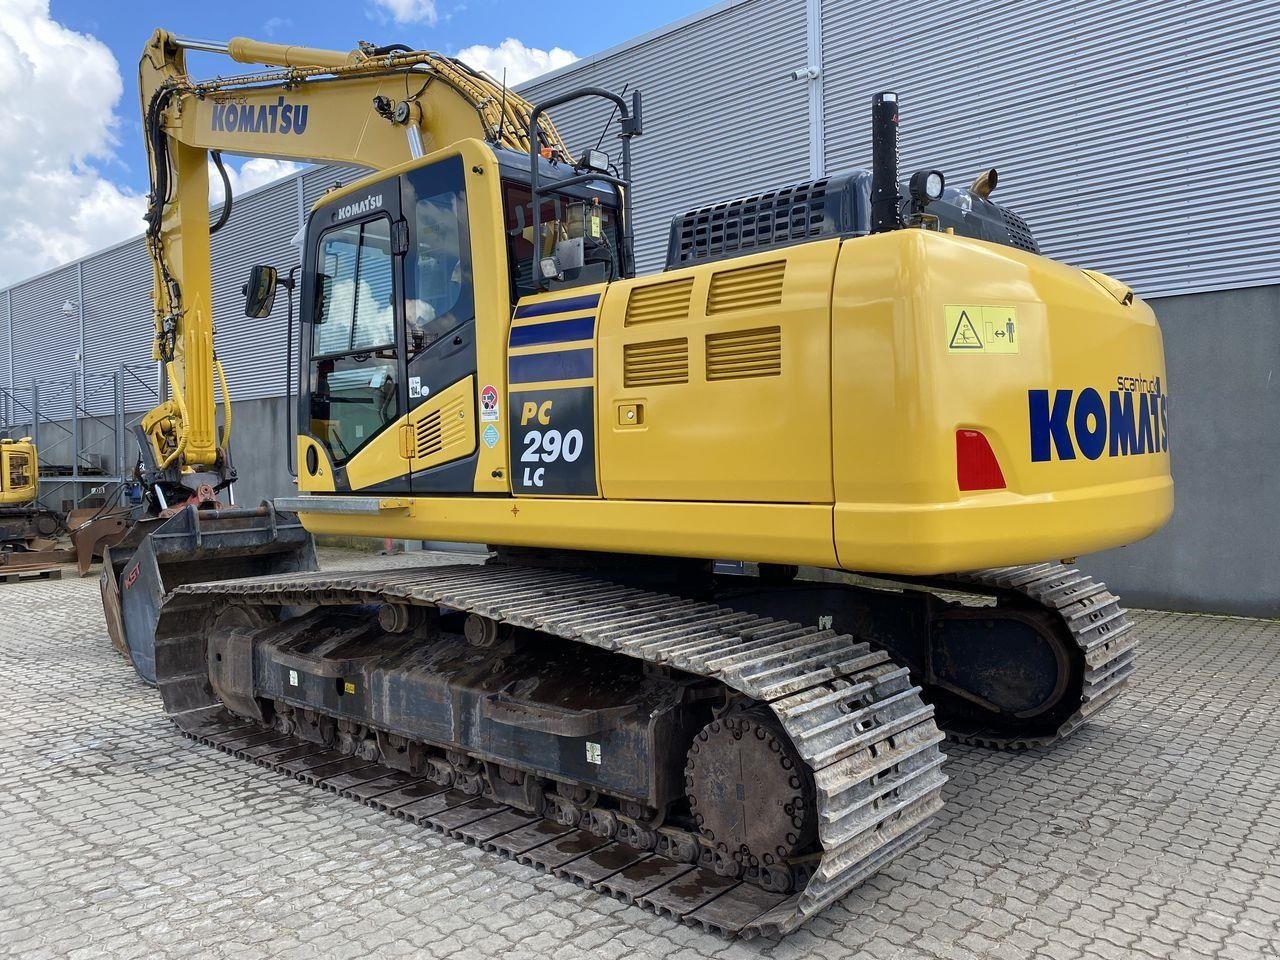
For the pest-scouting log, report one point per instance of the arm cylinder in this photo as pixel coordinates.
(244, 50)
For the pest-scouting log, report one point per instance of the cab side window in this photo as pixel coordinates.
(19, 470)
(354, 366)
(442, 298)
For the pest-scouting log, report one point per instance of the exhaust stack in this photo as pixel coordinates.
(885, 199)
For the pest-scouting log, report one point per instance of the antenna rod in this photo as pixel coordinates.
(502, 106)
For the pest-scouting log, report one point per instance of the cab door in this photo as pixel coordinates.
(442, 430)
(356, 392)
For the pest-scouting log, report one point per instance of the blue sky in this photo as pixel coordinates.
(124, 27)
(73, 172)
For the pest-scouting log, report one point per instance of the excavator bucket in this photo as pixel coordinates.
(192, 546)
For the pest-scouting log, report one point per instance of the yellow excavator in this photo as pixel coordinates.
(23, 520)
(765, 526)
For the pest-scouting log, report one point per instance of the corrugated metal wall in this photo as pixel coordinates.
(722, 116)
(46, 339)
(6, 381)
(117, 327)
(1133, 138)
(261, 230)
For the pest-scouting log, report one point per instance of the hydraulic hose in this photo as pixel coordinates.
(225, 215)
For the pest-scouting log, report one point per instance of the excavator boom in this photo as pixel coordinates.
(374, 107)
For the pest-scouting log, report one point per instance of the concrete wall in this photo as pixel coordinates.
(1221, 550)
(258, 451)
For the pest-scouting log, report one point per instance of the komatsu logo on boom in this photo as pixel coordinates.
(278, 117)
(1133, 419)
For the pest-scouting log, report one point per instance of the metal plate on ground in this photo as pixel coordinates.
(318, 775)
(342, 782)
(220, 736)
(494, 825)
(555, 854)
(303, 762)
(688, 893)
(643, 877)
(252, 739)
(604, 862)
(409, 793)
(381, 786)
(267, 748)
(734, 913)
(465, 813)
(523, 839)
(425, 810)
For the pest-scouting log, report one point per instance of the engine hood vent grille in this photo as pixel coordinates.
(743, 354)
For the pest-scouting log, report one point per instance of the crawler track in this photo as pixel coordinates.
(852, 714)
(1096, 626)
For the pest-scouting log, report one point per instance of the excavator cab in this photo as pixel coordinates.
(404, 303)
(17, 472)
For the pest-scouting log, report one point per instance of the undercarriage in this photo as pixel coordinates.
(732, 752)
(21, 526)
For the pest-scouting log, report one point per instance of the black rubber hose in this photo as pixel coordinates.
(225, 215)
(391, 48)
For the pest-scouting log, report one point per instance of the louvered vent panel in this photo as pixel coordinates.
(788, 215)
(746, 287)
(440, 429)
(661, 301)
(742, 354)
(655, 363)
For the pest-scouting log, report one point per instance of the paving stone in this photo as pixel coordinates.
(1153, 833)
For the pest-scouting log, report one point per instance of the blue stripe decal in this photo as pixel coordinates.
(545, 367)
(556, 331)
(570, 305)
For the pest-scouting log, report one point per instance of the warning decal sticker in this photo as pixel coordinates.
(489, 405)
(981, 329)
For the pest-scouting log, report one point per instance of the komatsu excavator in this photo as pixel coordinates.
(760, 523)
(23, 520)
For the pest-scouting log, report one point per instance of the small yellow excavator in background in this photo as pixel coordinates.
(877, 398)
(24, 522)
(32, 535)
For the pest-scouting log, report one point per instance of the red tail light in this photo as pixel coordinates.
(976, 465)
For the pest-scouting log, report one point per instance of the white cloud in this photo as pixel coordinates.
(250, 175)
(275, 25)
(409, 11)
(521, 63)
(58, 96)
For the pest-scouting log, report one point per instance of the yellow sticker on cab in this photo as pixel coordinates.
(981, 328)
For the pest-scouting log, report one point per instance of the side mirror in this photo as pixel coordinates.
(260, 291)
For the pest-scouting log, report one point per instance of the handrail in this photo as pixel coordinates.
(631, 126)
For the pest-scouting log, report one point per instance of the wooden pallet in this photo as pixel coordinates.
(16, 575)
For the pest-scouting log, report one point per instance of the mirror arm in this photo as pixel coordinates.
(290, 441)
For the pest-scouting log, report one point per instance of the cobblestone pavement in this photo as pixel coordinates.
(1153, 833)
